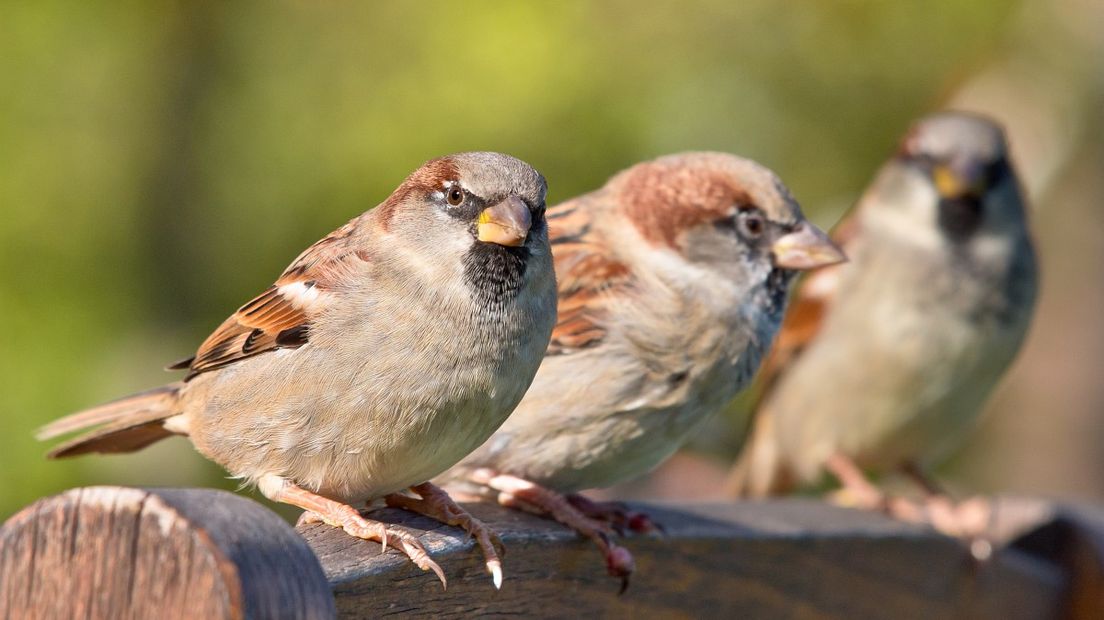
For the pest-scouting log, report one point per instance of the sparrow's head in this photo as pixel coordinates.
(485, 210)
(727, 214)
(951, 175)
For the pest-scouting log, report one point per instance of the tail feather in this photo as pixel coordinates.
(125, 425)
(759, 470)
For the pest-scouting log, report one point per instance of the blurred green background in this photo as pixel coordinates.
(162, 163)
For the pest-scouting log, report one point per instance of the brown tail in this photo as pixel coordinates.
(125, 425)
(759, 471)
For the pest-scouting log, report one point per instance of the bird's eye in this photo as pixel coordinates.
(751, 222)
(455, 195)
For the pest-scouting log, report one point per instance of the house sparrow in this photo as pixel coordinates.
(672, 283)
(885, 362)
(383, 355)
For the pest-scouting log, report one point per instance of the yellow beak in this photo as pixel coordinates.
(506, 223)
(952, 183)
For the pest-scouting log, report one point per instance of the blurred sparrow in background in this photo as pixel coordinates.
(672, 283)
(884, 363)
(384, 354)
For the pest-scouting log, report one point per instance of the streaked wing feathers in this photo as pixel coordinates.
(281, 316)
(586, 273)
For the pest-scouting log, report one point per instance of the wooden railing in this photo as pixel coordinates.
(111, 552)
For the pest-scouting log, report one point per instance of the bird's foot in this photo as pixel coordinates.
(968, 520)
(857, 491)
(958, 519)
(324, 510)
(514, 492)
(309, 517)
(434, 502)
(619, 516)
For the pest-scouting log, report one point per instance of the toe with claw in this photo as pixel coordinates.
(347, 518)
(434, 502)
(524, 495)
(618, 515)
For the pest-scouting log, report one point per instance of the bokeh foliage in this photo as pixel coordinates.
(160, 163)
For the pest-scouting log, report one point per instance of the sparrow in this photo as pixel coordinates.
(383, 354)
(884, 363)
(672, 283)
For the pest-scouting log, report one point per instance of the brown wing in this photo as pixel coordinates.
(585, 273)
(807, 309)
(281, 316)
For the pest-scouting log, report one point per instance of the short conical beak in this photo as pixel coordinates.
(806, 247)
(506, 223)
(960, 179)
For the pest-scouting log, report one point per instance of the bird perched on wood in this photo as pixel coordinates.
(672, 283)
(884, 362)
(383, 355)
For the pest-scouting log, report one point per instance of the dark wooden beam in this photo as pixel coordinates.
(109, 552)
(793, 558)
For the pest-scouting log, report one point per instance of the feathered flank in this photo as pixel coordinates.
(669, 295)
(399, 343)
(281, 317)
(886, 361)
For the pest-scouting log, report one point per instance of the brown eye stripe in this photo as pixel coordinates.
(664, 201)
(431, 177)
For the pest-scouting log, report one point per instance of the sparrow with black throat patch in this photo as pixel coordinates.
(885, 362)
(384, 354)
(672, 283)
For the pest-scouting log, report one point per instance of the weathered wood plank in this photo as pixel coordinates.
(795, 558)
(111, 552)
(115, 553)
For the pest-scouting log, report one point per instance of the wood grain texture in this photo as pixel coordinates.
(112, 552)
(781, 559)
(108, 552)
